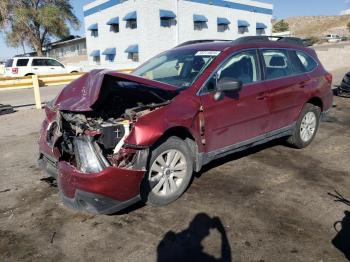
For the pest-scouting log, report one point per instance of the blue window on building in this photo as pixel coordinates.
(223, 24)
(133, 52)
(199, 22)
(110, 58)
(260, 28)
(110, 54)
(94, 30)
(96, 56)
(131, 20)
(167, 18)
(114, 24)
(243, 26)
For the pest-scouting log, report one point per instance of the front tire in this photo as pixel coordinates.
(169, 172)
(306, 127)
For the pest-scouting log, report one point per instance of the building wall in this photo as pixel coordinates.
(68, 49)
(152, 38)
(121, 40)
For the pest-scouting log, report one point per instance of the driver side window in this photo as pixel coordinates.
(242, 66)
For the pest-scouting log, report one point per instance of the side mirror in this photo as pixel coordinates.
(229, 84)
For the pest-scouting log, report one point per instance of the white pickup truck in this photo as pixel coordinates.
(25, 66)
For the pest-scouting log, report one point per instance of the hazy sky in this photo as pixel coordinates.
(282, 9)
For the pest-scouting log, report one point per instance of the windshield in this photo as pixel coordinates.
(177, 67)
(9, 63)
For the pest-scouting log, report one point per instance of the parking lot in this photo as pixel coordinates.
(271, 203)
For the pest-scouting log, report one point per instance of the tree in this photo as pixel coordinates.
(281, 26)
(35, 22)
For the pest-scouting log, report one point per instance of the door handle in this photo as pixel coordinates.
(261, 96)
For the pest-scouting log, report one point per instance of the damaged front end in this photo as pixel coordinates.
(93, 140)
(92, 143)
(89, 137)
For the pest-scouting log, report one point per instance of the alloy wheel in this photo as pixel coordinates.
(167, 172)
(308, 126)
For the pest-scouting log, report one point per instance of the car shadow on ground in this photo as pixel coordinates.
(241, 154)
(51, 181)
(342, 240)
(187, 245)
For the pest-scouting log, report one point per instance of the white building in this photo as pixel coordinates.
(124, 33)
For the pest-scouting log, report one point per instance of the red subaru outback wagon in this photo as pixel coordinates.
(113, 139)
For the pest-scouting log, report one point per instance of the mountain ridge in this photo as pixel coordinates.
(306, 26)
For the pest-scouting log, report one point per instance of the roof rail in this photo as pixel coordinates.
(255, 39)
(202, 41)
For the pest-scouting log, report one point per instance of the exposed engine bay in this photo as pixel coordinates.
(85, 138)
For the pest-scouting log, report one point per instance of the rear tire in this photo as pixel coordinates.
(169, 172)
(306, 127)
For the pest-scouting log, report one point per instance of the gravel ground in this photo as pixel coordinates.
(270, 203)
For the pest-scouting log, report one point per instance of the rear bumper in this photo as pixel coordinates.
(106, 192)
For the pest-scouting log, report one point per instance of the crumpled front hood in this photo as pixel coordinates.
(81, 94)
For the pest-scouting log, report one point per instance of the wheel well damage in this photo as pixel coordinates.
(185, 134)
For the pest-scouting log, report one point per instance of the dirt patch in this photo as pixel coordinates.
(272, 203)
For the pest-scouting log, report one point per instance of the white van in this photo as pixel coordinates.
(25, 66)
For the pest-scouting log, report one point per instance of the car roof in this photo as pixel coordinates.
(34, 57)
(244, 42)
(209, 46)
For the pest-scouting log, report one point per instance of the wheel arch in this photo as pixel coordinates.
(316, 101)
(185, 134)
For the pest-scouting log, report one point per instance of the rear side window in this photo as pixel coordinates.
(22, 62)
(9, 63)
(308, 63)
(39, 62)
(51, 62)
(277, 64)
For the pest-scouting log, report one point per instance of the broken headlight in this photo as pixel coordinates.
(89, 159)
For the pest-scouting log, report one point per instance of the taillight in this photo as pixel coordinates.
(14, 70)
(329, 78)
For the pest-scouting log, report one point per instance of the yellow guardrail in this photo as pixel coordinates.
(36, 81)
(44, 80)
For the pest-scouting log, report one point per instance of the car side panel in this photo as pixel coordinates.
(286, 97)
(321, 87)
(235, 118)
(183, 111)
